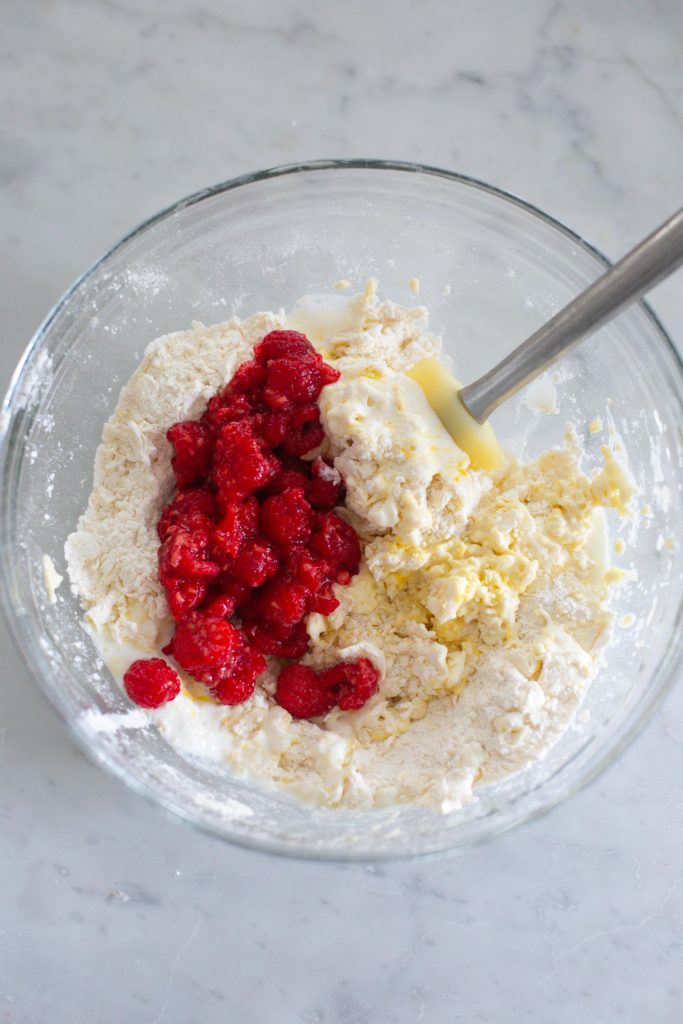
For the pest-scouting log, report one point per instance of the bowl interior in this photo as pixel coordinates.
(491, 270)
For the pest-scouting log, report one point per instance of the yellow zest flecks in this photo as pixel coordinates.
(595, 426)
(619, 546)
(414, 285)
(342, 285)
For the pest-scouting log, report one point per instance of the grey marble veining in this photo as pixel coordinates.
(109, 911)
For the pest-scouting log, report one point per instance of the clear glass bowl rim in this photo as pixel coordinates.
(671, 661)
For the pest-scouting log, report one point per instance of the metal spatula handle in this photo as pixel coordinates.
(641, 269)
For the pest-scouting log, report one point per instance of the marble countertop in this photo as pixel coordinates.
(110, 912)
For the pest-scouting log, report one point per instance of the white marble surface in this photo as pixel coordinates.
(109, 912)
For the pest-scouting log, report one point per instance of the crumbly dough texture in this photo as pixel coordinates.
(483, 598)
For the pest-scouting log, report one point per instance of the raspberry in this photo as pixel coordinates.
(301, 414)
(337, 541)
(182, 554)
(184, 595)
(240, 684)
(233, 690)
(150, 682)
(286, 479)
(238, 525)
(292, 645)
(239, 591)
(291, 380)
(271, 426)
(323, 600)
(304, 439)
(324, 490)
(220, 607)
(307, 568)
(238, 479)
(283, 601)
(256, 563)
(299, 691)
(240, 467)
(248, 378)
(286, 518)
(283, 344)
(352, 682)
(329, 374)
(223, 409)
(296, 645)
(185, 503)
(206, 647)
(193, 446)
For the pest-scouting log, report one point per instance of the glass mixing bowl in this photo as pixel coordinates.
(491, 269)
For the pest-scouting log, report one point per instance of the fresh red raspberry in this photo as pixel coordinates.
(150, 682)
(240, 684)
(292, 644)
(282, 601)
(295, 645)
(282, 345)
(248, 378)
(256, 563)
(233, 440)
(238, 590)
(286, 479)
(184, 596)
(299, 691)
(286, 518)
(325, 488)
(239, 479)
(183, 554)
(221, 606)
(240, 467)
(250, 663)
(186, 503)
(301, 414)
(233, 689)
(352, 682)
(224, 409)
(308, 568)
(330, 375)
(323, 600)
(302, 440)
(338, 542)
(206, 647)
(271, 426)
(238, 525)
(291, 380)
(193, 447)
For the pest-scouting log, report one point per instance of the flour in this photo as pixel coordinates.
(482, 598)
